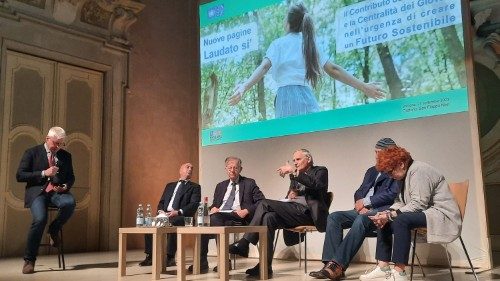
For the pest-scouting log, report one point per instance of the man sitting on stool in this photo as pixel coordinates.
(180, 199)
(48, 172)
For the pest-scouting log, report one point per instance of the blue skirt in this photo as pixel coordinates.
(294, 100)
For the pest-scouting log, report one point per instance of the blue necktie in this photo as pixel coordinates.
(230, 199)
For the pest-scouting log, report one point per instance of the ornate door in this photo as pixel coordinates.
(39, 94)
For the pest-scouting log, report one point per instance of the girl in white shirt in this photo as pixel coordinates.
(295, 65)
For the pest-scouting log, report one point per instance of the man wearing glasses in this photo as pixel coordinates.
(235, 200)
(47, 171)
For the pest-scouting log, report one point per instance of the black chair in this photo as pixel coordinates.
(60, 249)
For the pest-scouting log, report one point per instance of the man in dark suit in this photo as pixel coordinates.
(376, 193)
(180, 199)
(47, 171)
(306, 204)
(235, 200)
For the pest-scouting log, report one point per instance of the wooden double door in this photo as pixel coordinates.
(37, 94)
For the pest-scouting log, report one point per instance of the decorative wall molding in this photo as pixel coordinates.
(107, 19)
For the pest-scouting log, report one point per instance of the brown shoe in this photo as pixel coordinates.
(333, 271)
(29, 267)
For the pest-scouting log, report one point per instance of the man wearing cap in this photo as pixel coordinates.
(376, 193)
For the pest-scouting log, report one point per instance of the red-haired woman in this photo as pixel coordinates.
(425, 200)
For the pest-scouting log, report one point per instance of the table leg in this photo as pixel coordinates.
(163, 242)
(263, 255)
(122, 254)
(196, 254)
(156, 256)
(223, 268)
(181, 258)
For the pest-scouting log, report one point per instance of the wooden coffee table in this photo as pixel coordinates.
(158, 247)
(223, 235)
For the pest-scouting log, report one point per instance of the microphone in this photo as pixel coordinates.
(55, 179)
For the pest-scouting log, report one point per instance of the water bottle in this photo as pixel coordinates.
(206, 217)
(199, 215)
(139, 219)
(149, 217)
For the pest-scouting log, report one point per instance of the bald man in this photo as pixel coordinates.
(180, 199)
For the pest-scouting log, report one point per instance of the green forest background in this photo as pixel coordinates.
(416, 65)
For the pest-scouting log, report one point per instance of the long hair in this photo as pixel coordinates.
(300, 21)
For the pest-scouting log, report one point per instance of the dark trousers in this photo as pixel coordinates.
(66, 205)
(343, 249)
(401, 228)
(275, 215)
(171, 239)
(218, 219)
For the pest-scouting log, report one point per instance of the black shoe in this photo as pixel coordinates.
(317, 274)
(148, 261)
(171, 262)
(55, 239)
(230, 267)
(255, 271)
(203, 267)
(238, 249)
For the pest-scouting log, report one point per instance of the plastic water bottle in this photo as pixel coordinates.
(139, 219)
(206, 217)
(149, 218)
(199, 215)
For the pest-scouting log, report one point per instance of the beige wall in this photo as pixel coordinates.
(444, 142)
(161, 125)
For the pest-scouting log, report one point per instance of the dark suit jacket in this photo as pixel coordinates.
(30, 169)
(315, 187)
(189, 200)
(250, 195)
(386, 189)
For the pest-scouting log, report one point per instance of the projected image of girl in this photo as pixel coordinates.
(295, 64)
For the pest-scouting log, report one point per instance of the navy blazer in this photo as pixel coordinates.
(33, 162)
(190, 197)
(250, 195)
(386, 189)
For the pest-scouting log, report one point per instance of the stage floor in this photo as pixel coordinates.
(103, 266)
